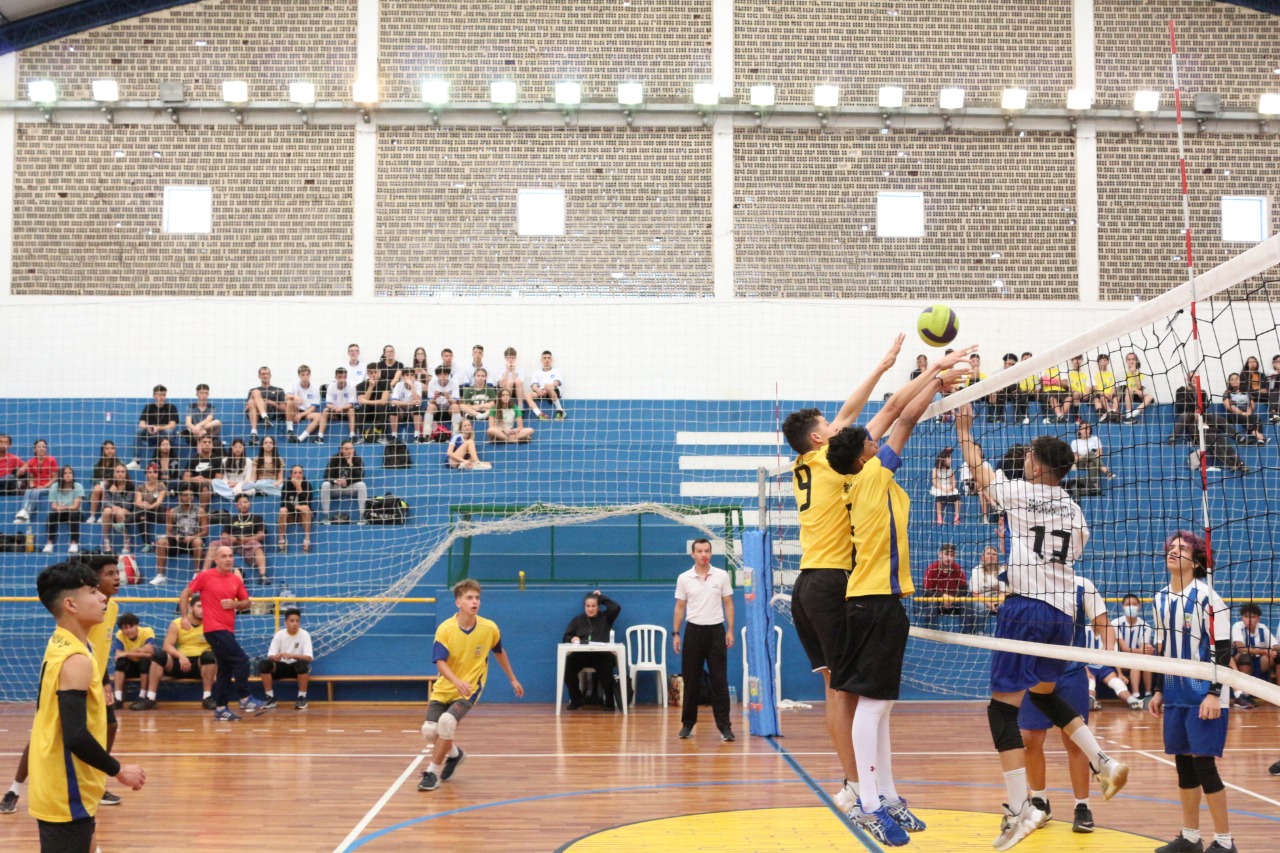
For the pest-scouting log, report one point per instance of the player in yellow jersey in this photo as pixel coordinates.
(184, 653)
(108, 574)
(1135, 389)
(1105, 400)
(1080, 385)
(68, 757)
(462, 646)
(131, 650)
(869, 666)
(826, 555)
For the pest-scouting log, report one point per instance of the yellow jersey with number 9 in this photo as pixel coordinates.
(822, 502)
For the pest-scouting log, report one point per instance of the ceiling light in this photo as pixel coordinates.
(235, 91)
(106, 91)
(826, 96)
(365, 91)
(763, 95)
(1269, 104)
(302, 93)
(42, 91)
(706, 94)
(503, 92)
(630, 94)
(435, 92)
(1014, 99)
(890, 97)
(1079, 99)
(951, 99)
(1146, 102)
(568, 93)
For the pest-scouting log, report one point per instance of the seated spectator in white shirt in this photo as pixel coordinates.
(467, 373)
(263, 403)
(1251, 643)
(461, 450)
(339, 402)
(303, 403)
(159, 420)
(290, 656)
(985, 583)
(1088, 451)
(1135, 636)
(510, 376)
(506, 421)
(478, 397)
(406, 406)
(546, 385)
(202, 417)
(354, 366)
(446, 361)
(442, 401)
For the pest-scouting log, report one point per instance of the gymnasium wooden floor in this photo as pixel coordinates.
(343, 777)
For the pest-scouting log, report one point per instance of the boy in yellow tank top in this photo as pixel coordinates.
(68, 759)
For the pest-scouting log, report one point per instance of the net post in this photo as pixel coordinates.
(757, 587)
(762, 488)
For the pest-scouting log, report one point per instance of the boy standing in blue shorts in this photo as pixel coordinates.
(1193, 623)
(1047, 532)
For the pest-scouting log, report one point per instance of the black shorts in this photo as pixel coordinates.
(132, 667)
(817, 609)
(175, 672)
(75, 836)
(876, 631)
(279, 669)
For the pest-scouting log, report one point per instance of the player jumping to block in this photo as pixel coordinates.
(462, 646)
(1047, 532)
(826, 546)
(868, 664)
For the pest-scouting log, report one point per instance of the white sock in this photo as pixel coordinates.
(207, 694)
(853, 786)
(866, 745)
(1192, 835)
(253, 431)
(288, 427)
(559, 408)
(151, 694)
(302, 694)
(15, 788)
(1083, 738)
(1034, 794)
(433, 768)
(1223, 838)
(453, 751)
(119, 695)
(271, 693)
(1084, 802)
(1015, 785)
(884, 768)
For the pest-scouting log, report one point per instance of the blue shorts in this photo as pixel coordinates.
(1186, 734)
(1073, 687)
(1022, 618)
(1101, 671)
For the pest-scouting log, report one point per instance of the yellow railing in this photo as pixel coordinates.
(276, 601)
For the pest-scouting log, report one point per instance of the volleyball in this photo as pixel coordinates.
(129, 570)
(938, 325)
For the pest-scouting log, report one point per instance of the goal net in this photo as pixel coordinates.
(1172, 425)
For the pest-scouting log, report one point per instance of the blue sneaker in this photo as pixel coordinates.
(900, 813)
(225, 715)
(880, 825)
(253, 707)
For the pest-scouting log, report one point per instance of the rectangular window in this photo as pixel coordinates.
(899, 214)
(188, 210)
(540, 213)
(1244, 218)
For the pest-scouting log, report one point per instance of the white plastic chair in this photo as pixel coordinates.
(777, 667)
(647, 652)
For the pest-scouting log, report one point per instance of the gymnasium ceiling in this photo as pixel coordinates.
(27, 23)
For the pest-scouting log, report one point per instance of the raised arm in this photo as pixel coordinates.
(858, 399)
(910, 416)
(895, 405)
(978, 468)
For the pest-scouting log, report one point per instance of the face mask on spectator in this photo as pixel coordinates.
(1131, 611)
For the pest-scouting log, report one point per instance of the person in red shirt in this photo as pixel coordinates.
(223, 593)
(40, 470)
(9, 465)
(945, 579)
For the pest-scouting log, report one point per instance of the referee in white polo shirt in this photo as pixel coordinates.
(704, 598)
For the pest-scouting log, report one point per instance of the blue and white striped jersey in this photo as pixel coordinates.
(1134, 636)
(1186, 625)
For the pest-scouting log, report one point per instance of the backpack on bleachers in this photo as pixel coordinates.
(387, 509)
(396, 455)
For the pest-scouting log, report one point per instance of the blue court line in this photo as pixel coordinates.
(857, 833)
(360, 842)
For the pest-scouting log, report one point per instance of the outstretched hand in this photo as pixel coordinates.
(953, 358)
(892, 355)
(964, 418)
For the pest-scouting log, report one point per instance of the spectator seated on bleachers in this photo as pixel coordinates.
(10, 462)
(373, 396)
(985, 583)
(102, 471)
(117, 508)
(343, 478)
(406, 407)
(186, 530)
(66, 506)
(159, 419)
(466, 374)
(133, 648)
(510, 377)
(39, 471)
(339, 404)
(264, 403)
(506, 421)
(1105, 400)
(442, 403)
(203, 469)
(295, 507)
(171, 467)
(390, 367)
(289, 656)
(478, 397)
(1080, 384)
(148, 505)
(185, 653)
(546, 385)
(303, 403)
(237, 470)
(1253, 648)
(1240, 410)
(202, 417)
(246, 535)
(946, 579)
(461, 451)
(1135, 389)
(267, 477)
(1273, 390)
(1089, 469)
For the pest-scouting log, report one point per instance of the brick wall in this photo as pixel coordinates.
(88, 211)
(1140, 205)
(806, 215)
(639, 204)
(1224, 49)
(268, 43)
(982, 47)
(665, 44)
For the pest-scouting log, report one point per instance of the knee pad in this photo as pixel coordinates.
(1187, 776)
(1206, 767)
(1054, 707)
(1003, 719)
(208, 659)
(266, 666)
(429, 732)
(301, 667)
(448, 726)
